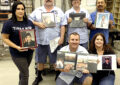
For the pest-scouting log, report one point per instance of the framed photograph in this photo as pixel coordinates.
(48, 18)
(102, 20)
(107, 62)
(77, 20)
(28, 38)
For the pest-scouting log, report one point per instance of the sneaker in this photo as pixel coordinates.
(37, 81)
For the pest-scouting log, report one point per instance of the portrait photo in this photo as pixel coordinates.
(48, 19)
(28, 38)
(106, 62)
(102, 20)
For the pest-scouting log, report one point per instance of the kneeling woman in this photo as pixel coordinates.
(98, 46)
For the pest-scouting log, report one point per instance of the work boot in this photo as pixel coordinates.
(38, 78)
(57, 74)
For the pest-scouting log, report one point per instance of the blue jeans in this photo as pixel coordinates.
(107, 80)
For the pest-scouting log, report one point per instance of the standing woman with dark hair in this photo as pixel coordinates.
(10, 35)
(98, 46)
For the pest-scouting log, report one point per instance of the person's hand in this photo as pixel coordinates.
(118, 60)
(41, 25)
(98, 61)
(61, 40)
(69, 20)
(85, 20)
(111, 22)
(67, 67)
(32, 48)
(85, 71)
(21, 49)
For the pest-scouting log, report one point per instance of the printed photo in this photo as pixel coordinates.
(81, 66)
(81, 62)
(77, 20)
(60, 60)
(70, 57)
(48, 19)
(28, 38)
(102, 20)
(70, 63)
(106, 62)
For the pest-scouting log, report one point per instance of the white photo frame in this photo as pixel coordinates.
(112, 60)
(102, 20)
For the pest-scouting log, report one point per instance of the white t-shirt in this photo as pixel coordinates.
(69, 76)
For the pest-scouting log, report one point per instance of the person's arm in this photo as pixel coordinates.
(88, 20)
(62, 33)
(66, 68)
(5, 38)
(112, 26)
(39, 24)
(111, 22)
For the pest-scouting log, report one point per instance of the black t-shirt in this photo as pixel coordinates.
(102, 73)
(12, 29)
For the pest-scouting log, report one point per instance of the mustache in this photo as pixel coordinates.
(100, 6)
(48, 1)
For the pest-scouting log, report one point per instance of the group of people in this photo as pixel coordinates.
(77, 40)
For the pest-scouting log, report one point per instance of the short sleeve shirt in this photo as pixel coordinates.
(104, 31)
(47, 34)
(83, 32)
(12, 29)
(72, 73)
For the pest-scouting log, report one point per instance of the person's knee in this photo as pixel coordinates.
(40, 66)
(88, 81)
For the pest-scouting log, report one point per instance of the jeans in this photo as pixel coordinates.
(108, 80)
(22, 64)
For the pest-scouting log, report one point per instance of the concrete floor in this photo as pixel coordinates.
(9, 74)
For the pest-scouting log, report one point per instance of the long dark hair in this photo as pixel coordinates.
(92, 48)
(14, 7)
